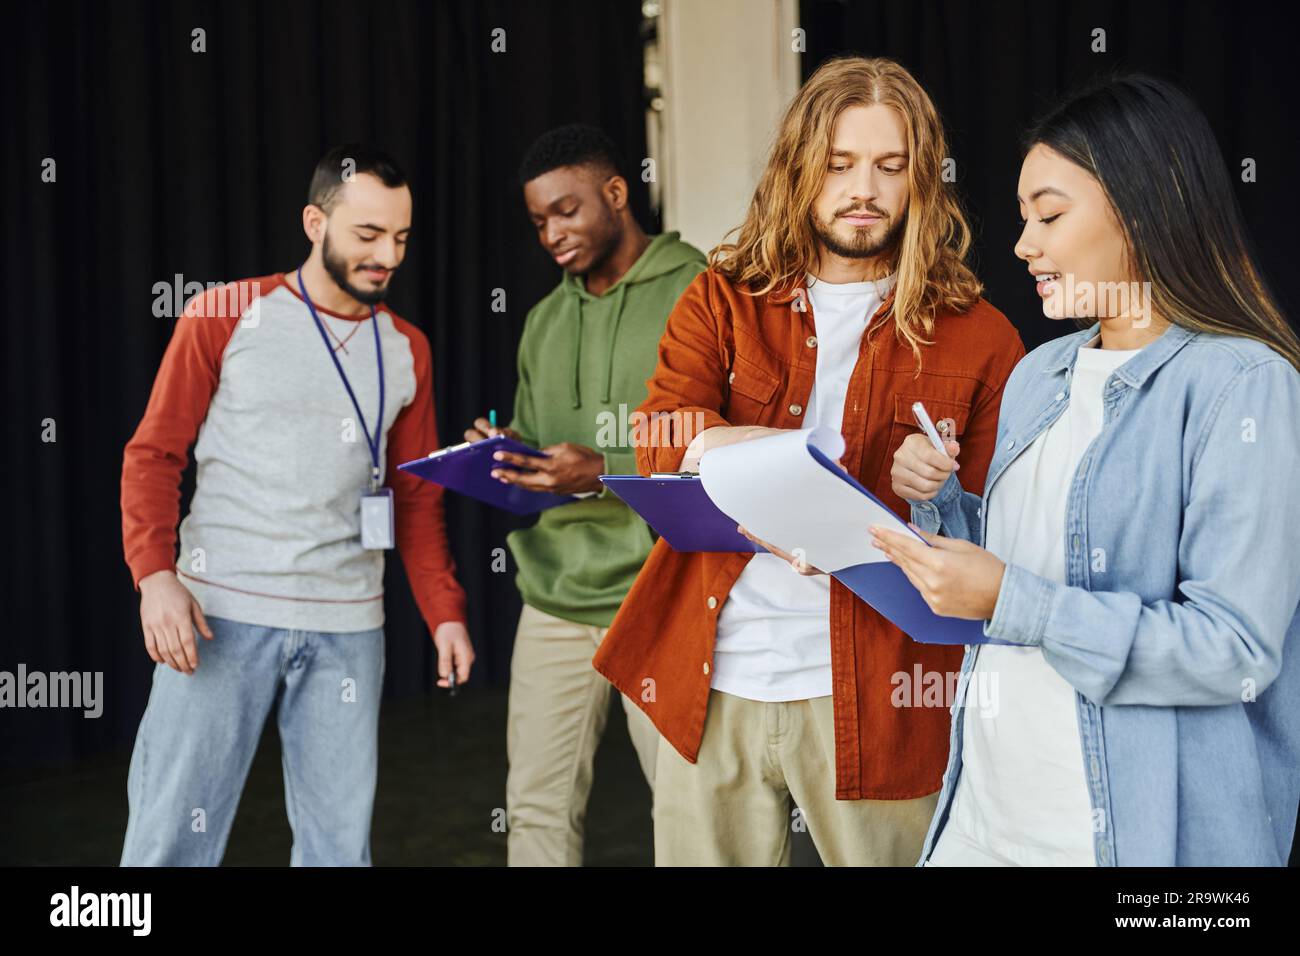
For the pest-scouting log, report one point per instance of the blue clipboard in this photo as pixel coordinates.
(681, 512)
(467, 470)
(885, 587)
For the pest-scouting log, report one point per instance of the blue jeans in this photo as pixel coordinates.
(199, 733)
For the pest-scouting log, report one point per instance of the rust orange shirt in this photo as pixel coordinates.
(731, 358)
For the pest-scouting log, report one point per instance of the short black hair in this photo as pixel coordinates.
(328, 178)
(576, 144)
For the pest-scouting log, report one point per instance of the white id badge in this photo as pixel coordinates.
(377, 531)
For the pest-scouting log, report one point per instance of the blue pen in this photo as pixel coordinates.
(492, 417)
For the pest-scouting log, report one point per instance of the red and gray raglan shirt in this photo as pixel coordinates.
(273, 534)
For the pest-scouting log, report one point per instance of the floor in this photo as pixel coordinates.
(442, 772)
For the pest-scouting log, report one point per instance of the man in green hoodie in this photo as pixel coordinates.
(587, 350)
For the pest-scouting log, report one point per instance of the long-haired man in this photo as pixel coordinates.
(844, 299)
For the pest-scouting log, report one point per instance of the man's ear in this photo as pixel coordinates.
(615, 190)
(313, 222)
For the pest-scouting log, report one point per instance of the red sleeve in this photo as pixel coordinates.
(158, 452)
(421, 530)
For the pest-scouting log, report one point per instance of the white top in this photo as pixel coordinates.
(773, 640)
(1022, 795)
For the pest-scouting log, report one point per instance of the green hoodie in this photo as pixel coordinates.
(581, 358)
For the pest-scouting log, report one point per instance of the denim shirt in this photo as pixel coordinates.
(1176, 624)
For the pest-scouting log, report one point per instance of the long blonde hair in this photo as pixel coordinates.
(777, 245)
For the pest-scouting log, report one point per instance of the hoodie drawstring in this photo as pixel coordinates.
(575, 389)
(575, 394)
(613, 338)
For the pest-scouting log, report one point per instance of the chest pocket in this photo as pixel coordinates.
(750, 389)
(904, 424)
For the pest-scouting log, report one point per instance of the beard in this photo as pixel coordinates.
(337, 268)
(863, 245)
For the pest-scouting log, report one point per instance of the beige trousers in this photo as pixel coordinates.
(557, 711)
(737, 805)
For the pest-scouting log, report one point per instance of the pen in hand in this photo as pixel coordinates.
(927, 426)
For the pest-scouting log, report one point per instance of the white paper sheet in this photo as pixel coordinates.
(783, 495)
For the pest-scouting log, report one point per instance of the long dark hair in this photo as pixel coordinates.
(1153, 152)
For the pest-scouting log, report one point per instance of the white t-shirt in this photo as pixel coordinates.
(773, 640)
(1022, 795)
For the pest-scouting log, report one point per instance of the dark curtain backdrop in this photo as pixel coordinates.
(171, 161)
(992, 67)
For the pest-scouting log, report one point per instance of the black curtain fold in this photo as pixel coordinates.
(171, 161)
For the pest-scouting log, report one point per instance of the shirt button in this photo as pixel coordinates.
(1104, 852)
(706, 668)
(811, 341)
(712, 602)
(796, 409)
(978, 512)
(1094, 767)
(1010, 443)
(1074, 543)
(1060, 395)
(731, 377)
